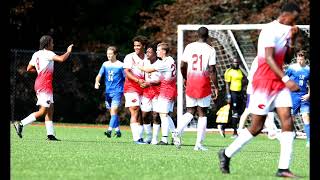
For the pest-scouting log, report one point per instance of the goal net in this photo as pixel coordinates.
(230, 41)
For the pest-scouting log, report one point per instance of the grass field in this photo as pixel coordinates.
(85, 153)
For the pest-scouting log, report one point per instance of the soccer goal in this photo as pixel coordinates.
(230, 41)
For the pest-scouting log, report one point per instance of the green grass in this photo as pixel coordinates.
(85, 153)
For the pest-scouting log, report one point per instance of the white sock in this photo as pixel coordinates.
(286, 149)
(171, 124)
(201, 130)
(110, 128)
(49, 127)
(164, 128)
(155, 133)
(117, 129)
(140, 131)
(135, 131)
(28, 120)
(186, 118)
(148, 130)
(238, 143)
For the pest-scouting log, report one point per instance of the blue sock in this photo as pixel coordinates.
(307, 131)
(112, 121)
(116, 121)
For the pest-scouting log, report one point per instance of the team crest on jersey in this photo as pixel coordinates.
(48, 102)
(261, 106)
(134, 100)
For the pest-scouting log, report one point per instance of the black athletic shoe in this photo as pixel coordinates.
(52, 138)
(286, 173)
(108, 133)
(224, 162)
(117, 134)
(162, 143)
(18, 126)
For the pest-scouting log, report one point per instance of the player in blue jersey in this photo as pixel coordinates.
(113, 73)
(300, 73)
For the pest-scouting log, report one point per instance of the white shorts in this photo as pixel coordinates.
(201, 102)
(261, 104)
(132, 99)
(147, 104)
(44, 99)
(164, 105)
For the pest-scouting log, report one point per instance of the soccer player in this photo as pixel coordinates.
(197, 68)
(271, 89)
(132, 86)
(42, 62)
(299, 72)
(113, 73)
(168, 89)
(150, 97)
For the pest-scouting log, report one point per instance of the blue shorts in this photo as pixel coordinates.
(113, 100)
(298, 105)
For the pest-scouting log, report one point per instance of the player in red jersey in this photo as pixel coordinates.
(42, 62)
(132, 86)
(197, 68)
(271, 88)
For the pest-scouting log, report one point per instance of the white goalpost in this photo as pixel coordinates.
(230, 41)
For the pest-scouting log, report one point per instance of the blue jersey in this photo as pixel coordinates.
(114, 76)
(300, 75)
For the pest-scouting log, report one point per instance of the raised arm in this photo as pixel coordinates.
(63, 57)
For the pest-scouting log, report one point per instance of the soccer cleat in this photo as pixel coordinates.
(200, 147)
(52, 138)
(140, 141)
(177, 140)
(117, 134)
(18, 126)
(162, 143)
(224, 162)
(108, 133)
(154, 142)
(286, 173)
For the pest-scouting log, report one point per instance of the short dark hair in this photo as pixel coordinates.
(153, 46)
(290, 7)
(142, 39)
(45, 41)
(203, 32)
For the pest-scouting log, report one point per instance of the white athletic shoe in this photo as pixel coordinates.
(200, 147)
(272, 134)
(177, 139)
(154, 142)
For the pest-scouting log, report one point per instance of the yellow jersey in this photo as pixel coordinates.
(234, 77)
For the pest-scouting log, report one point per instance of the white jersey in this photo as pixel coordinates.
(199, 56)
(43, 62)
(168, 78)
(132, 61)
(152, 77)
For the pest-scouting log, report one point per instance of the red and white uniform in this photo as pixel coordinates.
(199, 56)
(151, 93)
(43, 62)
(168, 85)
(268, 89)
(132, 61)
(132, 90)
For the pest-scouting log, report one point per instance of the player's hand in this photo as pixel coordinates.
(292, 85)
(305, 97)
(293, 33)
(96, 85)
(69, 49)
(144, 85)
